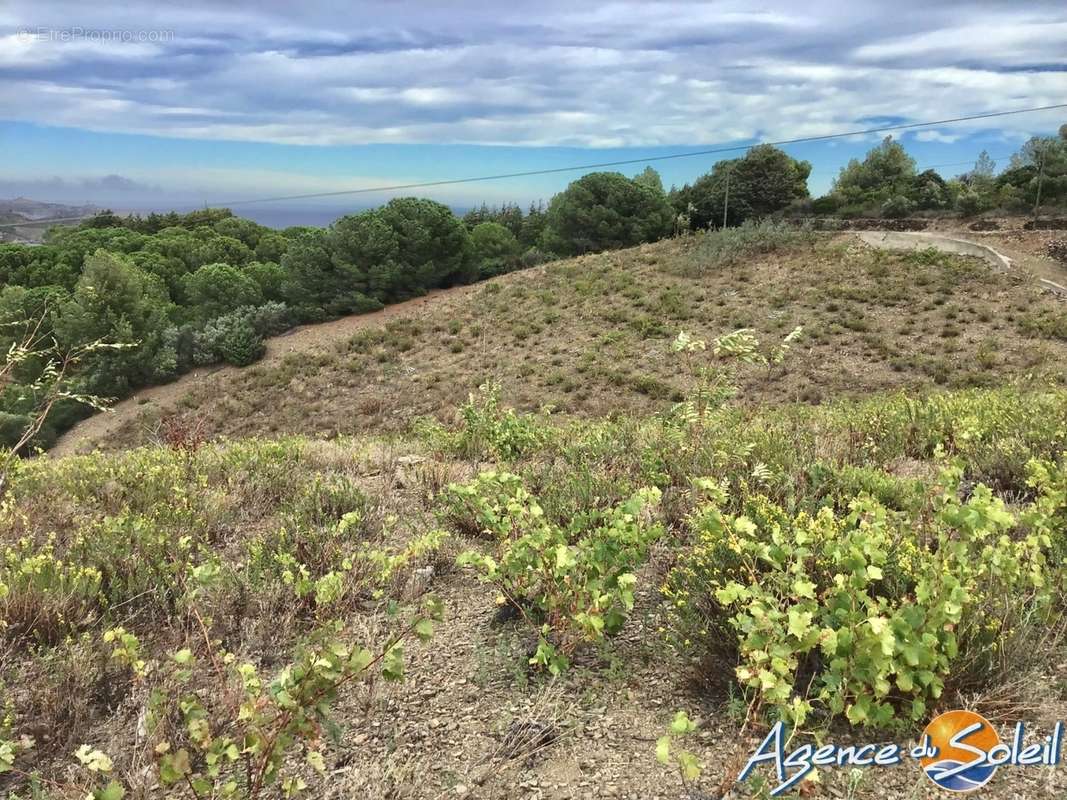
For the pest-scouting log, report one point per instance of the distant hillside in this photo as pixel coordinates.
(591, 336)
(23, 209)
(38, 209)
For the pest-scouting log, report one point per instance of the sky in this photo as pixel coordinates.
(140, 105)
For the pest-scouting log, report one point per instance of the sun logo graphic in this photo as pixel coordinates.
(957, 746)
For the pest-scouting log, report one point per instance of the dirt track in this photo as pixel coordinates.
(298, 340)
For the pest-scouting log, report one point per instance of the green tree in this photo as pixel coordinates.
(766, 180)
(37, 380)
(222, 249)
(929, 191)
(533, 226)
(244, 230)
(977, 190)
(495, 249)
(311, 283)
(984, 166)
(433, 248)
(269, 277)
(117, 303)
(1039, 171)
(887, 171)
(215, 289)
(649, 178)
(365, 253)
(603, 211)
(271, 247)
(400, 250)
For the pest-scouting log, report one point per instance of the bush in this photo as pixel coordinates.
(489, 431)
(235, 340)
(12, 427)
(732, 245)
(827, 204)
(576, 585)
(237, 337)
(897, 206)
(533, 257)
(867, 614)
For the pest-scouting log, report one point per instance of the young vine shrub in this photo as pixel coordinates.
(489, 430)
(575, 585)
(867, 613)
(220, 728)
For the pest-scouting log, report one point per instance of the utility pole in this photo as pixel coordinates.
(1040, 179)
(726, 201)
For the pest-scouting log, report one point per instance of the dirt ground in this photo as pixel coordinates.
(452, 726)
(292, 343)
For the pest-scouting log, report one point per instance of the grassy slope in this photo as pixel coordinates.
(589, 337)
(146, 518)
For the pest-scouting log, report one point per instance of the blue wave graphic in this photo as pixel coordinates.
(966, 781)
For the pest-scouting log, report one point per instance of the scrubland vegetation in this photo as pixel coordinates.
(208, 287)
(582, 530)
(226, 619)
(586, 337)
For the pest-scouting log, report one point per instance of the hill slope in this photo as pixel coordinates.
(221, 564)
(589, 336)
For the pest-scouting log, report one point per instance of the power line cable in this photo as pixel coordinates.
(630, 161)
(623, 162)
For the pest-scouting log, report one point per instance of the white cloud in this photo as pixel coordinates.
(609, 74)
(1007, 39)
(937, 136)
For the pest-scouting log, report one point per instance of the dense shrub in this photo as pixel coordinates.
(489, 429)
(897, 206)
(603, 211)
(235, 340)
(12, 426)
(866, 614)
(151, 597)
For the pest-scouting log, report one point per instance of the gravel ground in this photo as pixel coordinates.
(469, 722)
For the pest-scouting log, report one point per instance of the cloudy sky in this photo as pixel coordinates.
(147, 103)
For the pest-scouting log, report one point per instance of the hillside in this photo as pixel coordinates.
(514, 590)
(152, 598)
(24, 210)
(589, 336)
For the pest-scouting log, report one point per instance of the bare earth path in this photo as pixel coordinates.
(299, 340)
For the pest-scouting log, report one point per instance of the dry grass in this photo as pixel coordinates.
(589, 336)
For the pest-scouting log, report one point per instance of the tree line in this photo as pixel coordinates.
(208, 286)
